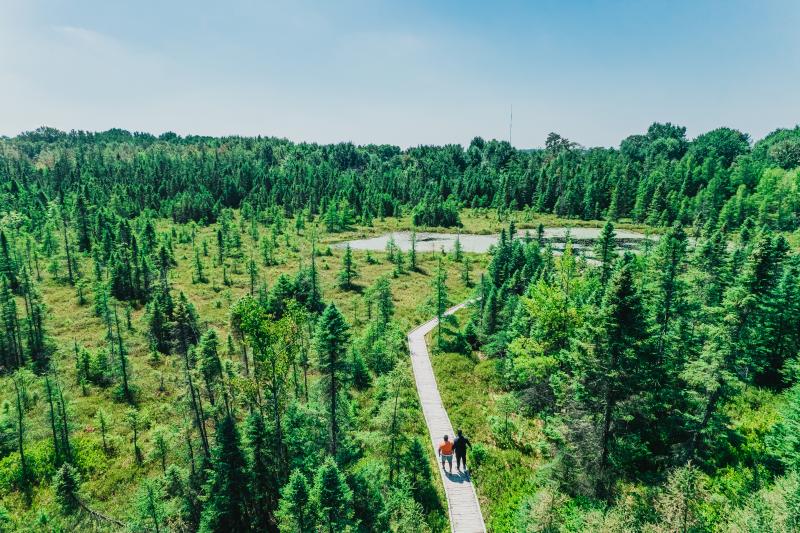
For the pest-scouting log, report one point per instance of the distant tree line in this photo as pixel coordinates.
(659, 177)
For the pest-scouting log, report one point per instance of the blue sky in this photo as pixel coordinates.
(405, 73)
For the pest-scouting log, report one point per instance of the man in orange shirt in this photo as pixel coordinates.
(446, 452)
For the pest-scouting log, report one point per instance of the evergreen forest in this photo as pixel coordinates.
(188, 341)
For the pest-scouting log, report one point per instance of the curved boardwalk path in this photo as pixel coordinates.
(462, 502)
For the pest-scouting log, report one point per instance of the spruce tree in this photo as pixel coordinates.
(199, 275)
(466, 269)
(226, 496)
(348, 272)
(66, 484)
(294, 514)
(25, 474)
(53, 419)
(605, 250)
(331, 345)
(186, 331)
(209, 362)
(136, 423)
(670, 298)
(102, 422)
(67, 245)
(458, 250)
(158, 324)
(621, 367)
(412, 254)
(220, 247)
(252, 271)
(382, 294)
(150, 506)
(161, 447)
(418, 469)
(126, 391)
(8, 268)
(12, 355)
(315, 297)
(440, 299)
(83, 224)
(263, 476)
(331, 499)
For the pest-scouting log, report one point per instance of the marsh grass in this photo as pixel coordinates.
(110, 482)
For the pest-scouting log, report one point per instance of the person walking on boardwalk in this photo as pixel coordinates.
(446, 452)
(460, 446)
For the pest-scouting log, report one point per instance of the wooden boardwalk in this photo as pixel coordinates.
(462, 502)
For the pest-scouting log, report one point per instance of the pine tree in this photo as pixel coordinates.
(331, 499)
(331, 345)
(781, 325)
(226, 494)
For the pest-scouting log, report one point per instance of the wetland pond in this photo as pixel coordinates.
(582, 239)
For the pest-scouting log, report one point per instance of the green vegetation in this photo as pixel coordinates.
(203, 400)
(183, 348)
(646, 393)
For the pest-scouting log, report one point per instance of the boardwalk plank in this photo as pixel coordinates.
(462, 502)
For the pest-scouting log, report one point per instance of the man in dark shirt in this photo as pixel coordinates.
(460, 446)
